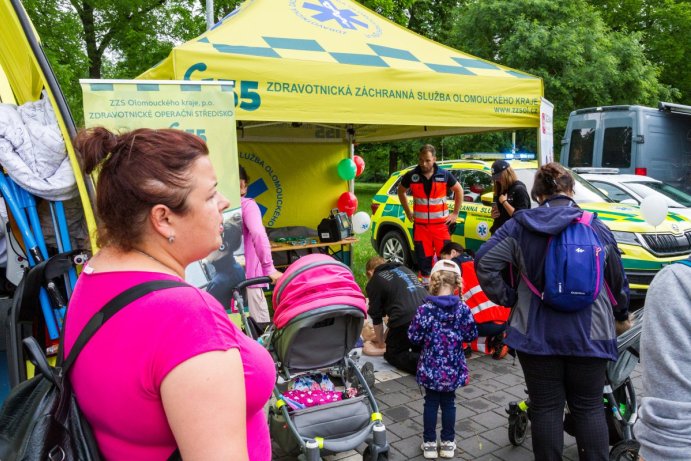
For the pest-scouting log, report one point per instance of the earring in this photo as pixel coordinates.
(171, 239)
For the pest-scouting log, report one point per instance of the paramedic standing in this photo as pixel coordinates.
(430, 187)
(564, 355)
(170, 370)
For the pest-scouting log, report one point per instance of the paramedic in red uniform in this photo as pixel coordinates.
(430, 187)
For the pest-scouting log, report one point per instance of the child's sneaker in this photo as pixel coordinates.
(429, 450)
(447, 449)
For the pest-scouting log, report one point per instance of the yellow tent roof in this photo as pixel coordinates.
(324, 64)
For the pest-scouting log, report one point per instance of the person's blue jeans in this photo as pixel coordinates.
(433, 401)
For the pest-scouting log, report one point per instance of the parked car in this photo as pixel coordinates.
(630, 188)
(645, 249)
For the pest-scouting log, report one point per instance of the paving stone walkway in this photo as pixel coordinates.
(481, 426)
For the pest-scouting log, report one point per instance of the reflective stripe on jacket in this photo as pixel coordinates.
(481, 307)
(430, 209)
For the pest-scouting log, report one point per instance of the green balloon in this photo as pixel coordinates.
(347, 169)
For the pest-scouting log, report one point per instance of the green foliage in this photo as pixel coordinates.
(60, 32)
(582, 62)
(433, 18)
(395, 10)
(113, 38)
(664, 27)
(362, 249)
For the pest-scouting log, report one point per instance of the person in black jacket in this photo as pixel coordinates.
(510, 194)
(393, 290)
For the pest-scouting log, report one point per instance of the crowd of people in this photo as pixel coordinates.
(173, 357)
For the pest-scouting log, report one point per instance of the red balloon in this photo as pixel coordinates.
(347, 203)
(359, 165)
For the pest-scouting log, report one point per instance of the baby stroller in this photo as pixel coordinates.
(319, 311)
(620, 405)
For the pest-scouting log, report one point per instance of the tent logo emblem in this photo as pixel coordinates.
(335, 16)
(327, 11)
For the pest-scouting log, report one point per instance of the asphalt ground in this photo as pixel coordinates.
(481, 420)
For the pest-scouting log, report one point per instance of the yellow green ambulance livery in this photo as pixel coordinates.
(645, 249)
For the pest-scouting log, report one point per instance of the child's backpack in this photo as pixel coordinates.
(574, 267)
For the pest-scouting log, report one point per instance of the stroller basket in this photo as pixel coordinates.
(343, 419)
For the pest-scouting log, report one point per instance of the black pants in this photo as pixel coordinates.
(578, 381)
(400, 352)
(490, 328)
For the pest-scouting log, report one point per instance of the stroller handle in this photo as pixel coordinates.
(253, 281)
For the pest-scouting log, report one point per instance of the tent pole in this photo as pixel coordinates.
(540, 160)
(351, 154)
(209, 14)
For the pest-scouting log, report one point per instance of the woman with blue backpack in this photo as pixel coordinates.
(569, 301)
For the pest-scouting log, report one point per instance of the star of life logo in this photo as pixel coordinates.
(482, 229)
(334, 15)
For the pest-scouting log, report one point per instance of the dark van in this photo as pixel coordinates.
(634, 139)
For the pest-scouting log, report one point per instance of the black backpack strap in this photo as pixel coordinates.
(110, 309)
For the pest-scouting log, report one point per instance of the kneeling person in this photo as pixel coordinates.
(394, 290)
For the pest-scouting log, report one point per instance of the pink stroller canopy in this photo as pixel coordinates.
(311, 282)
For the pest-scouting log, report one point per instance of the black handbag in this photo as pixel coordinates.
(40, 419)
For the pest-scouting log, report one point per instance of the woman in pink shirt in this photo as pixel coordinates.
(258, 260)
(169, 371)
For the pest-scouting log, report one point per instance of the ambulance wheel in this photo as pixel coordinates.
(394, 247)
(367, 455)
(518, 426)
(626, 450)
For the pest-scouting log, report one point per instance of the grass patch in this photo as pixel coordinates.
(362, 250)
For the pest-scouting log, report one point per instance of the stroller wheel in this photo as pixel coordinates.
(626, 450)
(518, 426)
(367, 455)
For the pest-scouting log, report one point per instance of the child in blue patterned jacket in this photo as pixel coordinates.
(441, 326)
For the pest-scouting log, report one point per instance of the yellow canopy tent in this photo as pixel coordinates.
(320, 67)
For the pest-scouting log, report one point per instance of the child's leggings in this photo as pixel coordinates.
(434, 400)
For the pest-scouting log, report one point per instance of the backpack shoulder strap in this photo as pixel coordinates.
(110, 309)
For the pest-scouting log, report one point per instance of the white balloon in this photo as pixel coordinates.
(654, 209)
(361, 222)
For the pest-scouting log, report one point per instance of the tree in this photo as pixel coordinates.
(664, 27)
(112, 39)
(433, 18)
(396, 10)
(582, 62)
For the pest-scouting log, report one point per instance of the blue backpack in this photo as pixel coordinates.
(574, 267)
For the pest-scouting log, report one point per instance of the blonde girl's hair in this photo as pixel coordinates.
(441, 278)
(508, 177)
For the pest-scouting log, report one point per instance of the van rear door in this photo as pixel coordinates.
(579, 148)
(618, 150)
